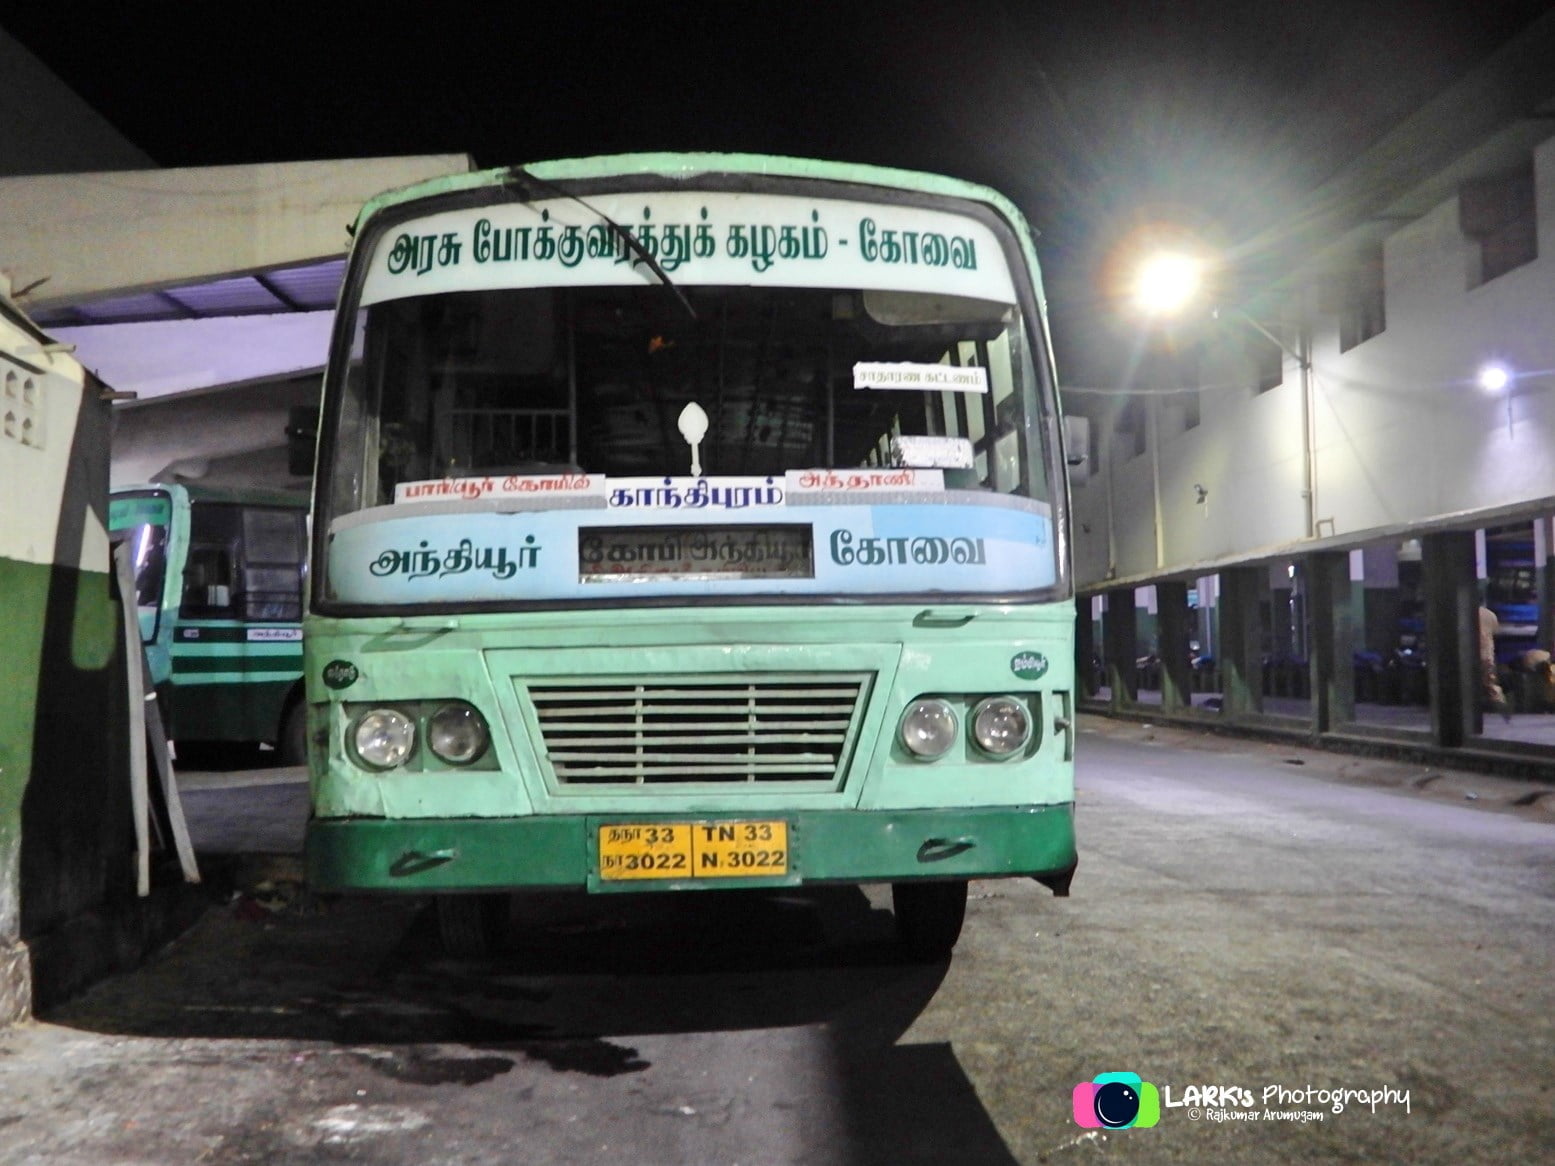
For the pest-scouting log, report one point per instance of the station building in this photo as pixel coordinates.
(1289, 520)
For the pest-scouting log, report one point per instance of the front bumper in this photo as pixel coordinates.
(825, 846)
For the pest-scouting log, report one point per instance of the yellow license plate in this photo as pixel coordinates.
(693, 850)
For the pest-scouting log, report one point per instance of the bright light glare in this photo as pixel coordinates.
(1494, 377)
(1167, 283)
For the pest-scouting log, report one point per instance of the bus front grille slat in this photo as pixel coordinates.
(740, 709)
(767, 729)
(618, 741)
(702, 694)
(657, 732)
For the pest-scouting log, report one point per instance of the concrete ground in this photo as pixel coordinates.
(1246, 915)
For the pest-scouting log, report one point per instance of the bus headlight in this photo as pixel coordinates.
(457, 733)
(1000, 726)
(384, 738)
(928, 728)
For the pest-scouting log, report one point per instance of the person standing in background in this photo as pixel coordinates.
(1490, 683)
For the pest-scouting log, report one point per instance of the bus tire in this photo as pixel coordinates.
(292, 743)
(471, 926)
(929, 916)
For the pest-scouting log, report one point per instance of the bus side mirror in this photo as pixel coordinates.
(302, 433)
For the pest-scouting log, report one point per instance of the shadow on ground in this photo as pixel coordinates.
(581, 977)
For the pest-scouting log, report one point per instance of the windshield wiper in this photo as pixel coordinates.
(633, 243)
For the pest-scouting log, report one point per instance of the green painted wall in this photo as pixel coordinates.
(66, 838)
(63, 789)
(26, 588)
(75, 811)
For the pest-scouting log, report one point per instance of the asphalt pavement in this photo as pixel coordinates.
(1247, 918)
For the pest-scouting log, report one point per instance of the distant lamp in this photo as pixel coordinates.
(1167, 282)
(1494, 378)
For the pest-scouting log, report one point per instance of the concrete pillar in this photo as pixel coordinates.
(1544, 579)
(1451, 635)
(1084, 647)
(1120, 647)
(1171, 602)
(1241, 653)
(1333, 616)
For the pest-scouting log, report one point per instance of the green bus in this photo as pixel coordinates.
(219, 578)
(687, 522)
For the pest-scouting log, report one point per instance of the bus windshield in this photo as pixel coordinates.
(142, 519)
(668, 393)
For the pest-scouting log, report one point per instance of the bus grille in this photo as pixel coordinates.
(672, 730)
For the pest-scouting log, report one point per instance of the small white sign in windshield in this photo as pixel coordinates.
(948, 453)
(670, 493)
(933, 377)
(472, 489)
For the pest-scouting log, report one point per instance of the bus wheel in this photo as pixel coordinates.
(292, 744)
(471, 926)
(929, 916)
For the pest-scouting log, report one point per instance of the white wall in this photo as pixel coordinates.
(1402, 433)
(47, 389)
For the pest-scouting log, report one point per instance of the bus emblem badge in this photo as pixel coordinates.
(340, 674)
(1029, 665)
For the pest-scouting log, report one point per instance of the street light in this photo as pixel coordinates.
(1167, 282)
(1494, 377)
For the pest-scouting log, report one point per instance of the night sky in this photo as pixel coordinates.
(1093, 115)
